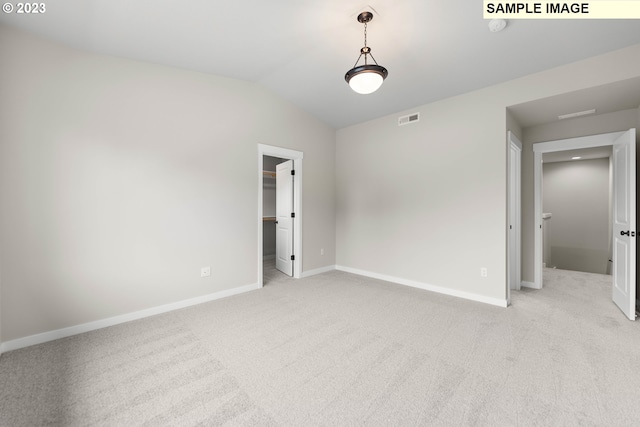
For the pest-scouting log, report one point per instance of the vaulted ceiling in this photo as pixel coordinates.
(301, 49)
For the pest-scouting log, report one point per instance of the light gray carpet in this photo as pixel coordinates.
(339, 349)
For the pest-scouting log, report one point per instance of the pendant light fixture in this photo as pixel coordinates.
(367, 78)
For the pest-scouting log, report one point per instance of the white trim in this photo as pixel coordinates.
(513, 139)
(432, 288)
(283, 153)
(590, 141)
(318, 271)
(111, 321)
(539, 149)
(296, 156)
(515, 191)
(537, 219)
(529, 285)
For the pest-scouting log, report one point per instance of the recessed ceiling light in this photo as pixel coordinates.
(578, 114)
(576, 158)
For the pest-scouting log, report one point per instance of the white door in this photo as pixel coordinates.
(513, 266)
(284, 217)
(624, 223)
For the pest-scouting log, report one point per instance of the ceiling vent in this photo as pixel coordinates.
(409, 118)
(578, 114)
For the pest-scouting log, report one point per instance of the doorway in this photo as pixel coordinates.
(271, 157)
(269, 218)
(577, 211)
(624, 216)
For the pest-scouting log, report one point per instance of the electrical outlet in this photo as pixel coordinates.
(483, 272)
(205, 272)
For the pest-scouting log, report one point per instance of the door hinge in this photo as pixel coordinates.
(293, 214)
(293, 257)
(293, 172)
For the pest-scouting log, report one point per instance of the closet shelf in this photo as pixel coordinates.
(268, 218)
(269, 174)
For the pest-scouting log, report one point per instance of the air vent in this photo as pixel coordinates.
(578, 114)
(409, 118)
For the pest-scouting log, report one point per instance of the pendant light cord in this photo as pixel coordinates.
(365, 42)
(366, 51)
(365, 34)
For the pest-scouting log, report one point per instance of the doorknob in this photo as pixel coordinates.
(628, 233)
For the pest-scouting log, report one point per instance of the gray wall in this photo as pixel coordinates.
(598, 124)
(577, 195)
(120, 179)
(513, 126)
(427, 202)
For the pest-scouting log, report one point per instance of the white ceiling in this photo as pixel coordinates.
(300, 49)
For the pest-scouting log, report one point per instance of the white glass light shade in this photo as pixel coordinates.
(366, 78)
(366, 82)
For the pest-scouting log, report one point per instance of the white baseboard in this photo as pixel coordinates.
(432, 288)
(530, 285)
(111, 321)
(318, 271)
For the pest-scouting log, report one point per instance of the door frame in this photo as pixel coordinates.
(514, 210)
(296, 156)
(601, 140)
